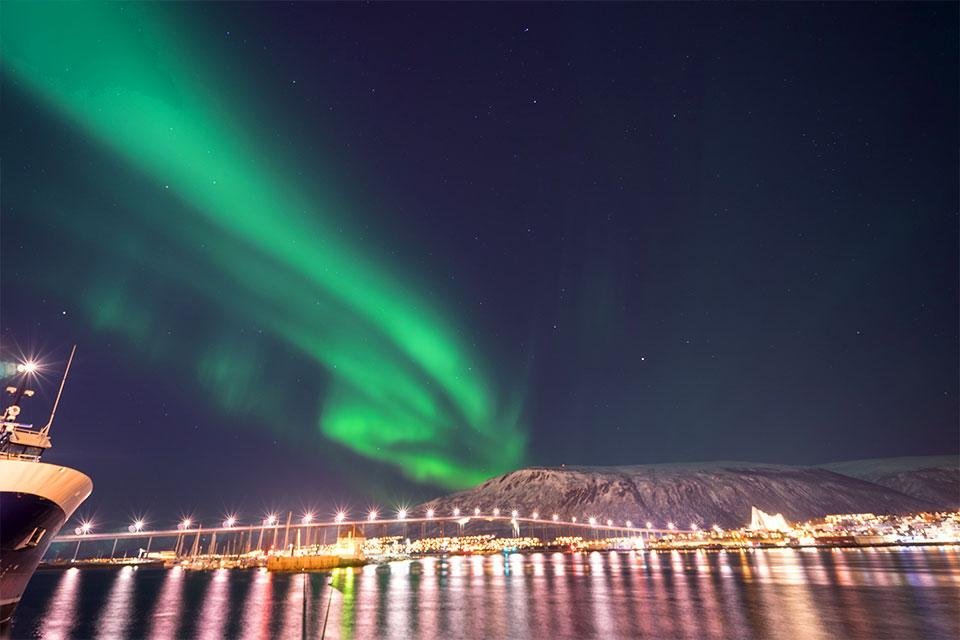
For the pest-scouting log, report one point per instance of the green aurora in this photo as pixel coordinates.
(250, 241)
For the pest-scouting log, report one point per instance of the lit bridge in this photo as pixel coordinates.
(271, 533)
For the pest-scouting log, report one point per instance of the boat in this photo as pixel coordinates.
(36, 498)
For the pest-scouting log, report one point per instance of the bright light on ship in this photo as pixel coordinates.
(28, 366)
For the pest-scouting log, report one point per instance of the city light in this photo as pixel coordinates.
(372, 515)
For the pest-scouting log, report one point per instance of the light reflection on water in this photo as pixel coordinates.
(798, 594)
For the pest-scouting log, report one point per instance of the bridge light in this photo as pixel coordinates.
(230, 521)
(693, 526)
(593, 521)
(629, 525)
(341, 516)
(649, 525)
(535, 515)
(272, 519)
(308, 517)
(609, 522)
(514, 513)
(476, 512)
(671, 526)
(573, 519)
(456, 512)
(137, 526)
(185, 523)
(372, 515)
(555, 517)
(496, 511)
(84, 528)
(402, 514)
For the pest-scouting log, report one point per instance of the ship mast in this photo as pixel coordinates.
(56, 403)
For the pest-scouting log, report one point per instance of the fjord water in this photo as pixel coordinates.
(803, 594)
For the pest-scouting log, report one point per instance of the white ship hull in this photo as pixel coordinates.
(36, 499)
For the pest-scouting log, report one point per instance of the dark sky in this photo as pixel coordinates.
(322, 254)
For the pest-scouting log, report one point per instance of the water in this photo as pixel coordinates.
(896, 593)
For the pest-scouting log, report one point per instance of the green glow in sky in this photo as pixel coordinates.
(404, 387)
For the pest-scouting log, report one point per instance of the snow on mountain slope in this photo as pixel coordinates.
(719, 493)
(934, 478)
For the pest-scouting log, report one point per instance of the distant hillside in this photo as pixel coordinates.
(934, 478)
(706, 494)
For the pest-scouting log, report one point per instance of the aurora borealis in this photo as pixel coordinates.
(369, 253)
(251, 242)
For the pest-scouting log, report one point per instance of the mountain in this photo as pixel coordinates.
(934, 478)
(720, 493)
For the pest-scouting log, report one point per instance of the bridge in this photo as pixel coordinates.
(307, 528)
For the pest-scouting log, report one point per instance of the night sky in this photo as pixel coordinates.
(317, 255)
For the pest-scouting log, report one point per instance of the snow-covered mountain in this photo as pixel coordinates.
(934, 478)
(719, 493)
